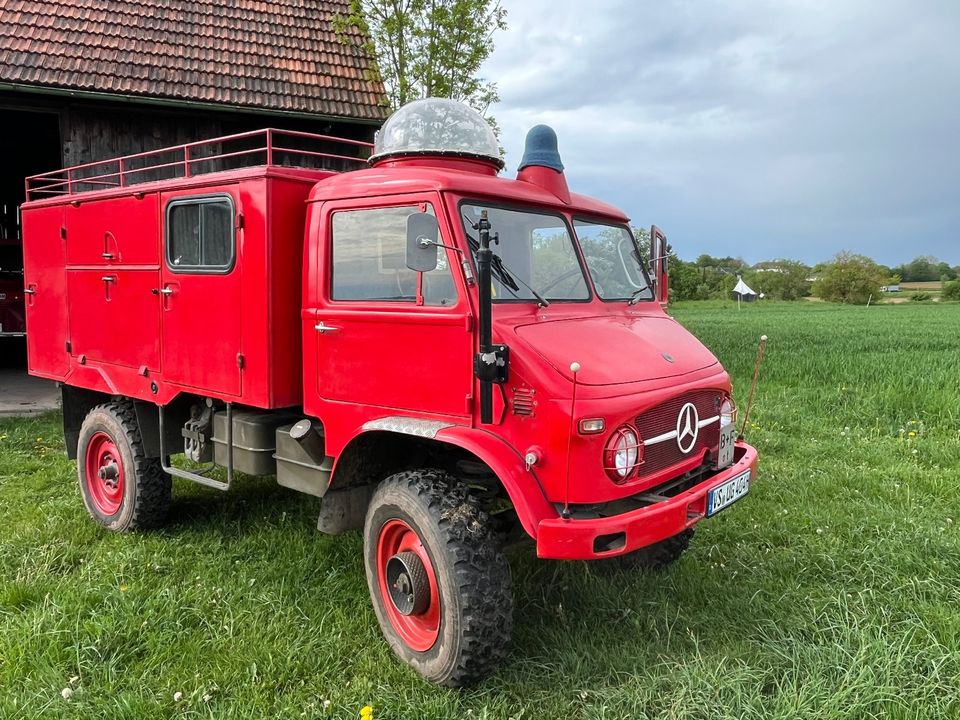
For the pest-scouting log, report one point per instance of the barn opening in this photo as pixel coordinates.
(30, 144)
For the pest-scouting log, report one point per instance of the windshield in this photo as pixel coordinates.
(614, 261)
(536, 255)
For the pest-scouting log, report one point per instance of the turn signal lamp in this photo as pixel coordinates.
(591, 426)
(728, 412)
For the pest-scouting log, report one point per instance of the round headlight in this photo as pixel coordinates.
(623, 454)
(728, 412)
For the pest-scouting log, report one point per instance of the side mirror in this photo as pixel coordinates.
(423, 233)
(659, 253)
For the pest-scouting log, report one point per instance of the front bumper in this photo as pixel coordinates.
(573, 539)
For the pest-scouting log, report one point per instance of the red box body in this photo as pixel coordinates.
(96, 267)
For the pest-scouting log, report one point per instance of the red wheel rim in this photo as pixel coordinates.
(419, 631)
(104, 473)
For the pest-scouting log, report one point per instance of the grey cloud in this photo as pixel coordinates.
(762, 129)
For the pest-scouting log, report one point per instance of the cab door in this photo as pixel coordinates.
(200, 290)
(387, 336)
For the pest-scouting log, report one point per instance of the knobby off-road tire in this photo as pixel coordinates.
(653, 557)
(463, 631)
(136, 494)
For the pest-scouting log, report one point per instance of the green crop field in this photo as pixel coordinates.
(831, 591)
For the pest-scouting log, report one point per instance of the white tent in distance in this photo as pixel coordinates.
(742, 292)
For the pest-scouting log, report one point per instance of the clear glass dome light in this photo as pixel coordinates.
(436, 126)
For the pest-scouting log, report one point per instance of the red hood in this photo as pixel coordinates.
(615, 350)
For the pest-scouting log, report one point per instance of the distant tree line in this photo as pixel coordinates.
(847, 278)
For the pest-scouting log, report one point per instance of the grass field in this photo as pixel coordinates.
(832, 591)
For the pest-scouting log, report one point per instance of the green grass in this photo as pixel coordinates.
(832, 591)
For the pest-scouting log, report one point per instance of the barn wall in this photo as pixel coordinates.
(97, 132)
(90, 134)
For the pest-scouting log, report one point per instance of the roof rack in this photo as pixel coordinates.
(268, 147)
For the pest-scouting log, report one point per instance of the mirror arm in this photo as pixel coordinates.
(425, 242)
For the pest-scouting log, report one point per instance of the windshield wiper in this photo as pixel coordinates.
(499, 270)
(635, 296)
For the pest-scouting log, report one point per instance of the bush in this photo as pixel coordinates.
(850, 279)
(920, 296)
(951, 290)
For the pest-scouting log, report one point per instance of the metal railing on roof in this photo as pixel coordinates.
(269, 147)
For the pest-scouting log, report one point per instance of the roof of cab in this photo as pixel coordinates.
(380, 181)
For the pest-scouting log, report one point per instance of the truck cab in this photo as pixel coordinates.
(450, 358)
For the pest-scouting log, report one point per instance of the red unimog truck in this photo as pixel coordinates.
(445, 356)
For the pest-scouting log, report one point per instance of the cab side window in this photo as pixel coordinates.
(200, 234)
(369, 259)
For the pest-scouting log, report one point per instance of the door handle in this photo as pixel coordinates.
(109, 278)
(30, 291)
(321, 327)
(165, 291)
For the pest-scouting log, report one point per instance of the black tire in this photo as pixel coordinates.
(653, 557)
(146, 488)
(472, 575)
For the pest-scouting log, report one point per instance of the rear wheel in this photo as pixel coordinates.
(122, 489)
(439, 582)
(653, 557)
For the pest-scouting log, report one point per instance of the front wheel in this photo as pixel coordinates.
(439, 582)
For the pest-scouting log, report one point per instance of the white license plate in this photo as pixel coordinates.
(723, 496)
(728, 436)
(3, 296)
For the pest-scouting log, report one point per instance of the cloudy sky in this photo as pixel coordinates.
(785, 128)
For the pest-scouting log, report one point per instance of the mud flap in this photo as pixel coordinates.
(344, 509)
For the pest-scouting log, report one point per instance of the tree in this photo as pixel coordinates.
(685, 280)
(951, 290)
(849, 278)
(428, 48)
(783, 280)
(920, 269)
(642, 236)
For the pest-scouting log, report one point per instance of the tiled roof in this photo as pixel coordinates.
(278, 55)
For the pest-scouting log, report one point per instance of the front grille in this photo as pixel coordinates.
(663, 419)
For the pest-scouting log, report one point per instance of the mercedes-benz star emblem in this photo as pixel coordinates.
(688, 427)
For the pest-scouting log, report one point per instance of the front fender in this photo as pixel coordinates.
(522, 487)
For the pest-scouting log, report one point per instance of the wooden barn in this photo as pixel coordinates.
(86, 80)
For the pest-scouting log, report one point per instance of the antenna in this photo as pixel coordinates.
(753, 384)
(575, 369)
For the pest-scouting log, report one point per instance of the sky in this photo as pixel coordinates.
(785, 128)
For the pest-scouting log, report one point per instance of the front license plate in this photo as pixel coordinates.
(723, 496)
(728, 436)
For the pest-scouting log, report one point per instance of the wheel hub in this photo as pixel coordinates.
(110, 474)
(104, 473)
(408, 584)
